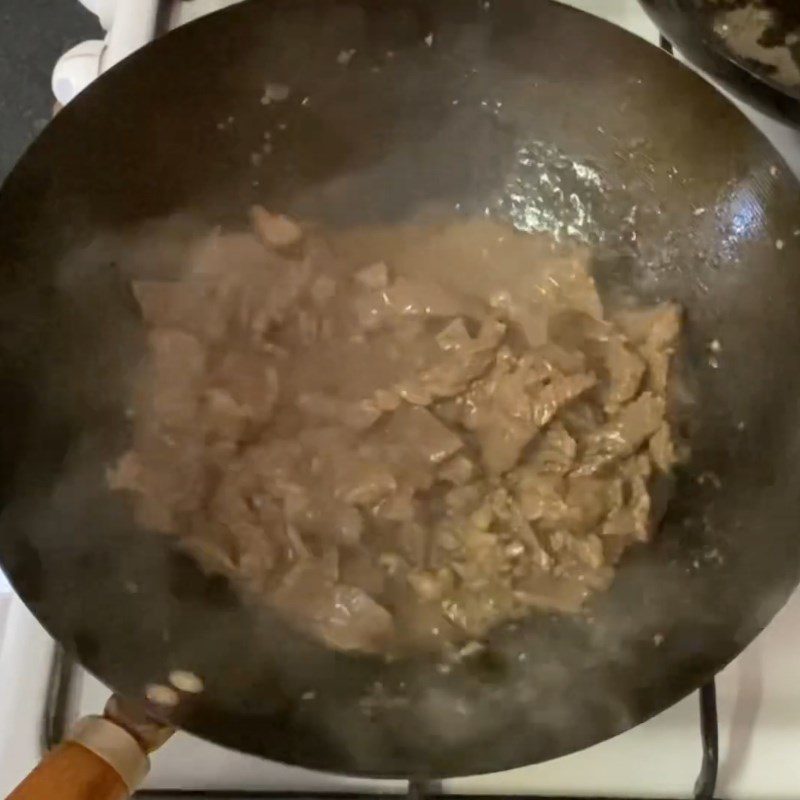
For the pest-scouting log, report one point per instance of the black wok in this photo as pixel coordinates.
(692, 26)
(677, 193)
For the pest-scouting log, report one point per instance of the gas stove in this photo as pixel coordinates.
(737, 738)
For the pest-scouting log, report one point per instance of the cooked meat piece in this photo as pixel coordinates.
(467, 498)
(224, 260)
(662, 450)
(375, 276)
(358, 415)
(344, 617)
(250, 380)
(655, 333)
(411, 298)
(398, 437)
(508, 407)
(386, 400)
(275, 230)
(632, 520)
(178, 364)
(322, 290)
(620, 523)
(224, 418)
(498, 409)
(524, 316)
(182, 305)
(399, 506)
(256, 554)
(466, 360)
(582, 418)
(576, 504)
(658, 362)
(418, 429)
(259, 312)
(237, 506)
(126, 475)
(156, 507)
(422, 299)
(325, 519)
(659, 325)
(541, 496)
(248, 290)
(274, 463)
(360, 569)
(552, 396)
(360, 482)
(588, 549)
(625, 370)
(454, 336)
(558, 359)
(624, 433)
(457, 470)
(421, 624)
(509, 514)
(431, 585)
(548, 593)
(555, 450)
(212, 555)
(412, 542)
(576, 330)
(476, 610)
(590, 500)
(570, 284)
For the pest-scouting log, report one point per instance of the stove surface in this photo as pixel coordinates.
(758, 694)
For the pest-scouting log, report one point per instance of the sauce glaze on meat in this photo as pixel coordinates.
(398, 437)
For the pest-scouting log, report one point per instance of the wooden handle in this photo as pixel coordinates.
(104, 758)
(72, 772)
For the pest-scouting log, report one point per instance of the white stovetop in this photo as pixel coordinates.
(759, 694)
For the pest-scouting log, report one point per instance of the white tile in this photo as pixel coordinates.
(5, 603)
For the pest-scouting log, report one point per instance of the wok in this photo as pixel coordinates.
(690, 26)
(522, 109)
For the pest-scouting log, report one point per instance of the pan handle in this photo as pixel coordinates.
(72, 772)
(103, 758)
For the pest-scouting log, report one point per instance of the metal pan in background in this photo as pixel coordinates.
(752, 47)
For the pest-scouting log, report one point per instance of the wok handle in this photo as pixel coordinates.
(103, 758)
(72, 772)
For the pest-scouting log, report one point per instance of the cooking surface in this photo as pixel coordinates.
(607, 675)
(758, 696)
